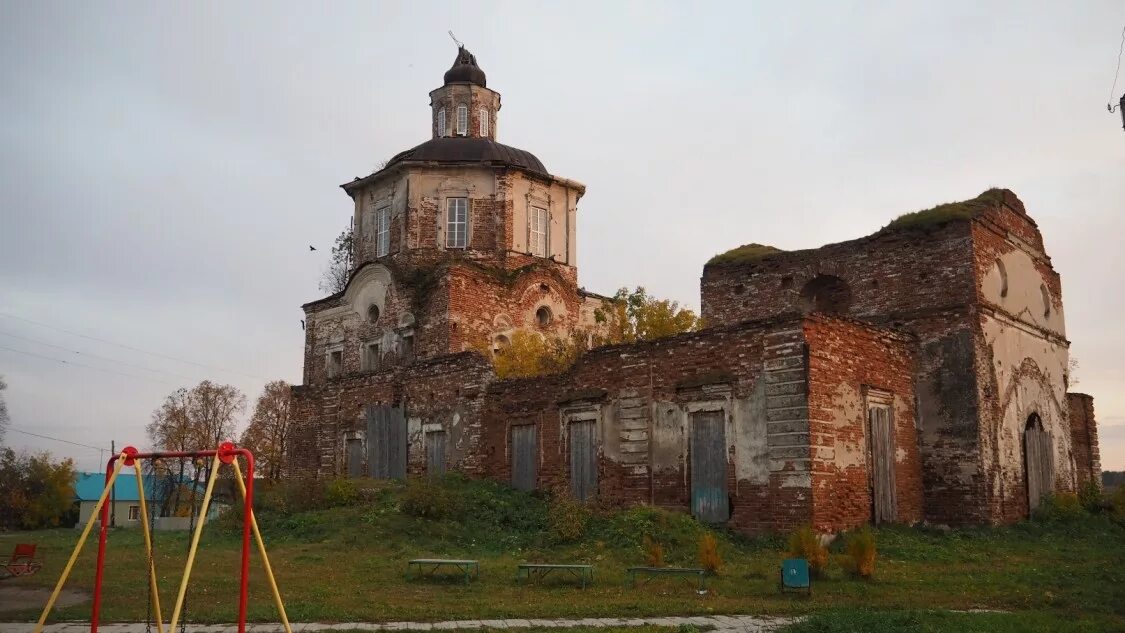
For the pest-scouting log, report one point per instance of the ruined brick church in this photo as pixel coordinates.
(916, 374)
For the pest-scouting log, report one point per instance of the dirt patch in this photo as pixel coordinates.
(21, 598)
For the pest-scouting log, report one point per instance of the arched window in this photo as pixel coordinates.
(826, 293)
(1003, 278)
(441, 122)
(1046, 300)
(462, 119)
(483, 122)
(373, 313)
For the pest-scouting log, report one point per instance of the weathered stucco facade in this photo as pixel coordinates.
(915, 374)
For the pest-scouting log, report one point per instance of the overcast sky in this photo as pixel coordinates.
(164, 167)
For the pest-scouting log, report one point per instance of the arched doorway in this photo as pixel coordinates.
(1036, 461)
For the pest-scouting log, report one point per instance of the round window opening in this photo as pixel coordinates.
(373, 313)
(543, 316)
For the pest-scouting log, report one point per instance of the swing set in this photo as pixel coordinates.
(226, 453)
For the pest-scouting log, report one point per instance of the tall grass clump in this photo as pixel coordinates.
(859, 546)
(567, 519)
(653, 550)
(709, 558)
(804, 543)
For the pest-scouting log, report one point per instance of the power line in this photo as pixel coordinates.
(111, 360)
(56, 439)
(1116, 73)
(129, 347)
(74, 364)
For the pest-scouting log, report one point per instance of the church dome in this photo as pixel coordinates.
(471, 151)
(465, 70)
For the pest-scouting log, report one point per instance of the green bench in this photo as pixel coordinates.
(653, 572)
(537, 571)
(469, 568)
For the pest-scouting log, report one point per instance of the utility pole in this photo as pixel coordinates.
(113, 491)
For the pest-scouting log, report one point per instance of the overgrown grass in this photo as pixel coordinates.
(743, 254)
(916, 621)
(348, 563)
(948, 212)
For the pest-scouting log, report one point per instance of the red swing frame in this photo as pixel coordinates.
(227, 453)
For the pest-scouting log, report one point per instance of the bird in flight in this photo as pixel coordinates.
(311, 247)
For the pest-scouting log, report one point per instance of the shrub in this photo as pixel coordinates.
(804, 543)
(429, 500)
(1117, 502)
(341, 492)
(1062, 506)
(709, 558)
(654, 551)
(860, 548)
(567, 519)
(1091, 498)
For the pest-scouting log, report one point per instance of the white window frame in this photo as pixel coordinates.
(382, 230)
(456, 222)
(483, 122)
(462, 120)
(441, 122)
(134, 513)
(538, 240)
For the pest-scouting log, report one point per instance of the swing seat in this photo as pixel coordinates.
(23, 562)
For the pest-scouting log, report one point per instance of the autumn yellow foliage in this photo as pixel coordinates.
(709, 558)
(654, 551)
(531, 354)
(860, 546)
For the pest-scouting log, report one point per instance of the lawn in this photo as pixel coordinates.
(348, 563)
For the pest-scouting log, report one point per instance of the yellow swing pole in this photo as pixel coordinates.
(94, 516)
(195, 542)
(262, 550)
(148, 549)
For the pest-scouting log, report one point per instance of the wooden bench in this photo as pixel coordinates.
(536, 571)
(469, 568)
(653, 572)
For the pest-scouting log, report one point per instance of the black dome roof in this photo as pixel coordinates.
(465, 69)
(481, 151)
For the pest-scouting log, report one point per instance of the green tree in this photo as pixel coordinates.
(335, 277)
(635, 316)
(35, 492)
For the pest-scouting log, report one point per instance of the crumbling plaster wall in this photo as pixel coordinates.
(1023, 355)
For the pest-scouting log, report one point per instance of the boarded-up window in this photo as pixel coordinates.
(525, 457)
(354, 452)
(1037, 461)
(386, 442)
(881, 431)
(435, 453)
(709, 500)
(583, 460)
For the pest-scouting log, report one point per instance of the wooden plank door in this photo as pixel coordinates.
(386, 442)
(1037, 461)
(525, 457)
(583, 461)
(355, 457)
(709, 500)
(884, 500)
(435, 453)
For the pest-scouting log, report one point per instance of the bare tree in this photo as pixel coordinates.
(170, 430)
(335, 278)
(192, 420)
(4, 418)
(268, 432)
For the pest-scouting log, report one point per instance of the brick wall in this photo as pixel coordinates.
(1084, 439)
(846, 359)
